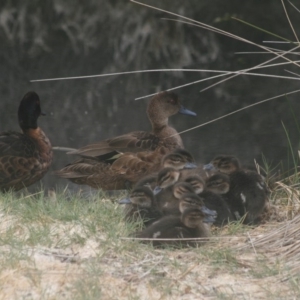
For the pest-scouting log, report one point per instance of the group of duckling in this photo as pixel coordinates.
(175, 198)
(179, 203)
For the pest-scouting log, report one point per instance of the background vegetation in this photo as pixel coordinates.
(70, 38)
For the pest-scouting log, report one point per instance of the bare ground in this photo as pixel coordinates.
(252, 263)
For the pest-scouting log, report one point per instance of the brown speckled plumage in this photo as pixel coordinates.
(24, 157)
(142, 151)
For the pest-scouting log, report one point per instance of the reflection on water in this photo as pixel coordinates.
(98, 37)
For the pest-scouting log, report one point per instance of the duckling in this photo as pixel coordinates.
(210, 193)
(103, 165)
(173, 164)
(141, 205)
(191, 200)
(218, 183)
(196, 182)
(188, 225)
(160, 108)
(179, 159)
(168, 199)
(24, 157)
(248, 194)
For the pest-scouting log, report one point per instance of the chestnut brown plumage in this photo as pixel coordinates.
(24, 157)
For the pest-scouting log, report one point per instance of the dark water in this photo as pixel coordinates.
(69, 38)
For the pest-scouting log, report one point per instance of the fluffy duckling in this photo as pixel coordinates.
(173, 164)
(191, 200)
(179, 159)
(196, 182)
(141, 205)
(188, 225)
(210, 191)
(218, 183)
(168, 199)
(24, 157)
(248, 194)
(104, 166)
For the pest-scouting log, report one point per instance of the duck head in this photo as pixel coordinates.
(196, 182)
(218, 183)
(192, 201)
(141, 196)
(165, 178)
(226, 163)
(181, 188)
(29, 111)
(163, 105)
(192, 217)
(177, 161)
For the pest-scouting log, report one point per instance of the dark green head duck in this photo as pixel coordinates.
(24, 157)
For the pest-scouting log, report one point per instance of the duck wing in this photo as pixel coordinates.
(19, 166)
(134, 142)
(128, 168)
(15, 144)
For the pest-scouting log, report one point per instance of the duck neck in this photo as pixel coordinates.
(38, 136)
(161, 128)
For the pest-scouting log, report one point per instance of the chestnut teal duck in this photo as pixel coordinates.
(24, 157)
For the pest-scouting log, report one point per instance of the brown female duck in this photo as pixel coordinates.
(160, 108)
(103, 165)
(248, 193)
(24, 157)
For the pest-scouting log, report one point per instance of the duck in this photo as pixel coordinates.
(211, 191)
(25, 156)
(168, 199)
(104, 166)
(162, 106)
(141, 205)
(172, 230)
(172, 166)
(248, 193)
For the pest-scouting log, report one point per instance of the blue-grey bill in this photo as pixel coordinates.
(124, 201)
(209, 167)
(208, 211)
(157, 190)
(185, 111)
(209, 219)
(190, 166)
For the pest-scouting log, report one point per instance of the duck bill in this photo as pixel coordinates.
(157, 190)
(190, 166)
(209, 219)
(210, 215)
(208, 211)
(124, 201)
(209, 167)
(185, 111)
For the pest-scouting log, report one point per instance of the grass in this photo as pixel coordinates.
(64, 246)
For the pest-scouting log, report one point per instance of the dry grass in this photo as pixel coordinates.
(70, 247)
